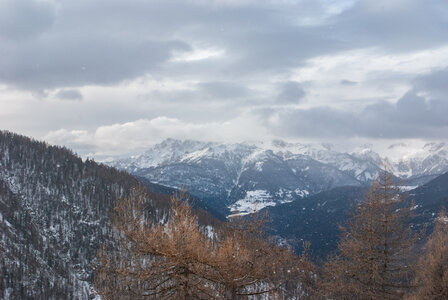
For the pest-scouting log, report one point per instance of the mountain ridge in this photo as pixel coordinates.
(239, 178)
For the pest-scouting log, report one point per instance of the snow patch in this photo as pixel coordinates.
(444, 220)
(209, 231)
(251, 203)
(259, 166)
(406, 188)
(301, 193)
(195, 156)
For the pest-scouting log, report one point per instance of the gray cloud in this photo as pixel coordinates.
(291, 92)
(217, 91)
(319, 122)
(224, 90)
(278, 50)
(348, 82)
(120, 40)
(69, 94)
(396, 25)
(82, 60)
(435, 83)
(24, 18)
(413, 116)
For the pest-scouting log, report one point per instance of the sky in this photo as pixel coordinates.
(113, 77)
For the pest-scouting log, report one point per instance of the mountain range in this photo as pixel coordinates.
(241, 178)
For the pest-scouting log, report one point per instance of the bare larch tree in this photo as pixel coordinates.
(173, 257)
(432, 269)
(374, 254)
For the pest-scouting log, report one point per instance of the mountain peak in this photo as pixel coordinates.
(434, 147)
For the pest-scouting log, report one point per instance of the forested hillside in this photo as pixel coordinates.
(317, 218)
(54, 215)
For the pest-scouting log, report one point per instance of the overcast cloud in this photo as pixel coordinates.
(112, 77)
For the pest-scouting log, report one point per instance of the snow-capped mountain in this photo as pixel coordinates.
(430, 161)
(243, 177)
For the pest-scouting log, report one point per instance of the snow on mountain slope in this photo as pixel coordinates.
(229, 172)
(362, 164)
(431, 159)
(253, 201)
(166, 152)
(248, 176)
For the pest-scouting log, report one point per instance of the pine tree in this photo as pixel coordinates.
(373, 260)
(432, 272)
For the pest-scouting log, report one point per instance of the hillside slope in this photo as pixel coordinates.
(54, 215)
(316, 218)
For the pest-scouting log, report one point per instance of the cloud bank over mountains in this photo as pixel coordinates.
(111, 77)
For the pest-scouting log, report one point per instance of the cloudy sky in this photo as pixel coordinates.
(112, 77)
